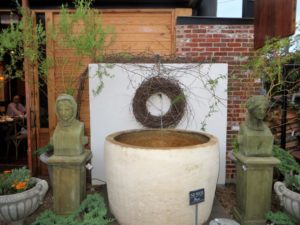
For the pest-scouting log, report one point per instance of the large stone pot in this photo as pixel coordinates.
(151, 172)
(15, 208)
(290, 200)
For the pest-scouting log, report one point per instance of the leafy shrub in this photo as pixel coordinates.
(287, 164)
(45, 149)
(92, 211)
(292, 181)
(280, 218)
(289, 168)
(15, 181)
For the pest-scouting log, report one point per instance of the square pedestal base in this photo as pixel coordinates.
(237, 215)
(253, 188)
(69, 182)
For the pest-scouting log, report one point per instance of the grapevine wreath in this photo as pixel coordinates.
(154, 85)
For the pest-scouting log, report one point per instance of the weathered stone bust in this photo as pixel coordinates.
(255, 138)
(68, 137)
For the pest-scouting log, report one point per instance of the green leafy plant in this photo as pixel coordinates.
(267, 65)
(235, 144)
(280, 218)
(91, 211)
(15, 181)
(292, 181)
(21, 40)
(45, 149)
(289, 168)
(80, 31)
(287, 164)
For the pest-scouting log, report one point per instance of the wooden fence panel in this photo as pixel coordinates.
(135, 32)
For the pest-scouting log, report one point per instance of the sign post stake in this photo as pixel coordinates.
(196, 197)
(196, 215)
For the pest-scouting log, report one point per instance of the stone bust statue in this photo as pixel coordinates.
(255, 138)
(68, 137)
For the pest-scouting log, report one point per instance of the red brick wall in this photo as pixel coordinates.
(231, 44)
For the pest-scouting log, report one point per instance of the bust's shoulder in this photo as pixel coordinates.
(77, 125)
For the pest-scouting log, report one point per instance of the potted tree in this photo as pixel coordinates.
(20, 195)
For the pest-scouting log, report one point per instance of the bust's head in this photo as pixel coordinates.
(66, 109)
(257, 106)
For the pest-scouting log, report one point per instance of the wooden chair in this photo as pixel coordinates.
(16, 137)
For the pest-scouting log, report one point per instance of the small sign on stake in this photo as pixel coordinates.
(197, 196)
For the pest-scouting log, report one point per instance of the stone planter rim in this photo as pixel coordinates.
(21, 195)
(211, 139)
(288, 192)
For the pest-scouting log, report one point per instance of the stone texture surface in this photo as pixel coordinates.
(69, 159)
(254, 188)
(289, 199)
(255, 137)
(150, 186)
(69, 181)
(16, 207)
(255, 142)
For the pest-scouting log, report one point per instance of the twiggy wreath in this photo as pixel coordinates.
(154, 85)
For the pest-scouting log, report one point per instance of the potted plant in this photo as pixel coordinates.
(20, 195)
(288, 191)
(91, 211)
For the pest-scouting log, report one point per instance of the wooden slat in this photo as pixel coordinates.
(139, 28)
(121, 37)
(131, 45)
(129, 18)
(51, 79)
(183, 12)
(273, 18)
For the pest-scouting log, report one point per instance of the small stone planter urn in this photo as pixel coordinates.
(15, 208)
(290, 200)
(44, 158)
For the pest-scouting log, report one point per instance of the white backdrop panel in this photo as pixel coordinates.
(111, 109)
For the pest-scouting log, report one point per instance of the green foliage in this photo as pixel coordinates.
(15, 181)
(92, 211)
(268, 61)
(19, 40)
(280, 218)
(292, 181)
(90, 37)
(25, 38)
(83, 32)
(287, 163)
(288, 167)
(45, 149)
(236, 145)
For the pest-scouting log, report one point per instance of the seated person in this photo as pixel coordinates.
(15, 108)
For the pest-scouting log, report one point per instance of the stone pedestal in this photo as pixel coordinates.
(69, 181)
(254, 188)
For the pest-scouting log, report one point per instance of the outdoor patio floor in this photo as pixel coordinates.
(218, 210)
